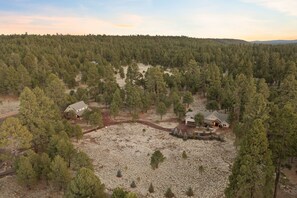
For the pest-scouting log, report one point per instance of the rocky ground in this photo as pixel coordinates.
(128, 147)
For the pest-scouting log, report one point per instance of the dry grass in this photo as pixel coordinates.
(127, 147)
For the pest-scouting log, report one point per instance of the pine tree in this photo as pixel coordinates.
(133, 99)
(184, 155)
(179, 110)
(116, 103)
(154, 82)
(119, 173)
(25, 172)
(14, 135)
(81, 159)
(40, 115)
(45, 163)
(133, 185)
(119, 193)
(157, 158)
(283, 137)
(151, 188)
(132, 73)
(252, 171)
(199, 119)
(66, 150)
(190, 192)
(169, 193)
(95, 119)
(55, 89)
(59, 175)
(188, 98)
(85, 184)
(161, 109)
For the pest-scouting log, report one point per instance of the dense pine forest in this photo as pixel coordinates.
(255, 83)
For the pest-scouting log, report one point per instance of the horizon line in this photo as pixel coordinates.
(156, 35)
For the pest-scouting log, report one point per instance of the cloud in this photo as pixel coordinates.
(13, 23)
(200, 24)
(284, 6)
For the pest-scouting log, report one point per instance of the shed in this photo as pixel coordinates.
(213, 118)
(78, 107)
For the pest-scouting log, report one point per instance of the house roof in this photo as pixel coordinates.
(78, 107)
(208, 115)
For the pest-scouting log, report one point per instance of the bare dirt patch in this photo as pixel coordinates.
(10, 188)
(128, 147)
(9, 106)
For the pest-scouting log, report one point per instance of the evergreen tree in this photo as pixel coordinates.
(39, 114)
(116, 103)
(25, 173)
(252, 171)
(13, 135)
(184, 155)
(157, 158)
(66, 150)
(45, 163)
(95, 119)
(119, 193)
(151, 188)
(161, 109)
(132, 73)
(188, 98)
(191, 76)
(55, 89)
(133, 185)
(199, 119)
(190, 192)
(59, 174)
(133, 99)
(288, 92)
(179, 111)
(85, 184)
(283, 137)
(81, 160)
(146, 100)
(169, 193)
(119, 173)
(155, 82)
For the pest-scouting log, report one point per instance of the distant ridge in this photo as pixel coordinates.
(276, 42)
(230, 41)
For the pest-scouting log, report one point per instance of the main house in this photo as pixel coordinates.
(78, 108)
(211, 118)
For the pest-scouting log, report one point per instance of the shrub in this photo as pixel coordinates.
(184, 155)
(169, 193)
(190, 192)
(119, 193)
(119, 173)
(151, 188)
(133, 185)
(156, 158)
(201, 169)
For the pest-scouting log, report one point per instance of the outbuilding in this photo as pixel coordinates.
(78, 108)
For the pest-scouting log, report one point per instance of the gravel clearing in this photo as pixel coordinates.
(127, 147)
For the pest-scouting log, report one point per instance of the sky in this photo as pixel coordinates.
(239, 19)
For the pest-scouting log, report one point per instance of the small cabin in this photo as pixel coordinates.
(78, 108)
(211, 118)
